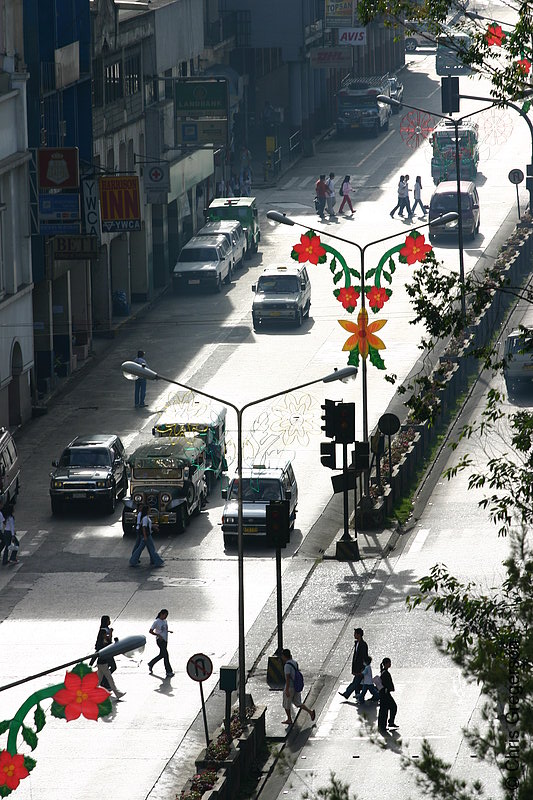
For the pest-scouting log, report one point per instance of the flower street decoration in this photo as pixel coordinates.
(416, 127)
(79, 695)
(495, 35)
(364, 343)
(523, 66)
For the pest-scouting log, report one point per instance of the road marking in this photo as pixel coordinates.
(419, 540)
(289, 183)
(390, 133)
(306, 181)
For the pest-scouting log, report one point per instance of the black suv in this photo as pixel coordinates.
(90, 468)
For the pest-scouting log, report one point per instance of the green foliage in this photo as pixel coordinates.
(375, 358)
(335, 790)
(105, 708)
(4, 725)
(338, 277)
(30, 737)
(370, 273)
(333, 265)
(353, 358)
(82, 669)
(57, 710)
(39, 718)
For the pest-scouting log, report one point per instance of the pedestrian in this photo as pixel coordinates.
(402, 191)
(160, 630)
(367, 684)
(105, 665)
(140, 383)
(246, 162)
(5, 539)
(405, 199)
(330, 200)
(322, 192)
(417, 192)
(360, 656)
(291, 697)
(12, 548)
(147, 541)
(345, 192)
(246, 187)
(387, 705)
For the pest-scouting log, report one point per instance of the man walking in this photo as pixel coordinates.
(140, 383)
(330, 200)
(359, 658)
(292, 695)
(405, 200)
(403, 192)
(322, 192)
(160, 630)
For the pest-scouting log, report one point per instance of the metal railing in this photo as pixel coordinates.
(272, 165)
(295, 144)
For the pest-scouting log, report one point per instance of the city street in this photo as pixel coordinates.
(74, 568)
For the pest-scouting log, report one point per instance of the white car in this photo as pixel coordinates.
(234, 233)
(204, 261)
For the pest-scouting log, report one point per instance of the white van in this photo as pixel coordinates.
(204, 261)
(518, 356)
(234, 233)
(9, 468)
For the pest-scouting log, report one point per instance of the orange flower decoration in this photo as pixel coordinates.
(12, 769)
(377, 297)
(524, 66)
(415, 249)
(494, 36)
(309, 248)
(363, 334)
(348, 297)
(81, 696)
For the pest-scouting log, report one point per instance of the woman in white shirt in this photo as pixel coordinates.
(346, 189)
(11, 543)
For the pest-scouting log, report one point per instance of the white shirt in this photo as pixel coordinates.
(417, 191)
(330, 183)
(367, 675)
(160, 626)
(138, 525)
(146, 522)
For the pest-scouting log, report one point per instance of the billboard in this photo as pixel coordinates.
(120, 204)
(203, 131)
(332, 57)
(201, 97)
(353, 36)
(340, 13)
(58, 168)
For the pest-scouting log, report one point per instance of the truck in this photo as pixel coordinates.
(358, 107)
(168, 476)
(442, 141)
(241, 209)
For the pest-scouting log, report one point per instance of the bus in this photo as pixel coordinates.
(450, 47)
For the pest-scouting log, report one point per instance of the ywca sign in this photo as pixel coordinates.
(353, 36)
(120, 205)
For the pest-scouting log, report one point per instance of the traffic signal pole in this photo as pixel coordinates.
(279, 605)
(346, 535)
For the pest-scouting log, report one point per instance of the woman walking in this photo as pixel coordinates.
(160, 630)
(345, 192)
(387, 705)
(417, 195)
(10, 540)
(105, 666)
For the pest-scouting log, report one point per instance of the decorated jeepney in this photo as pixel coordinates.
(205, 422)
(443, 162)
(168, 476)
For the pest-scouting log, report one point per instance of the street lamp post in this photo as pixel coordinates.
(132, 370)
(277, 216)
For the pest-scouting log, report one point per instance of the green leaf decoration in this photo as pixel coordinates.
(354, 273)
(57, 710)
(375, 358)
(29, 763)
(526, 106)
(39, 718)
(333, 265)
(370, 273)
(4, 791)
(295, 255)
(350, 309)
(105, 708)
(82, 670)
(387, 276)
(392, 266)
(336, 292)
(353, 358)
(310, 234)
(29, 736)
(338, 277)
(322, 259)
(4, 725)
(402, 259)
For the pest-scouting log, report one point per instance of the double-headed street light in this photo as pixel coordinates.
(132, 371)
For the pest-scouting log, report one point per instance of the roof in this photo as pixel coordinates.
(219, 225)
(228, 202)
(451, 186)
(201, 415)
(203, 241)
(182, 448)
(283, 269)
(94, 439)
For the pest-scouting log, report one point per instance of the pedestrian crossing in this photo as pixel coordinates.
(359, 179)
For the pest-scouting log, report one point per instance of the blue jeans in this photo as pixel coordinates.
(370, 688)
(155, 558)
(140, 391)
(354, 686)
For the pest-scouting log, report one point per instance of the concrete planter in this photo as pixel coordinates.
(231, 767)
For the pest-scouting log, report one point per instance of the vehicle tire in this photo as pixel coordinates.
(255, 321)
(308, 310)
(182, 520)
(57, 505)
(111, 502)
(375, 130)
(299, 318)
(230, 541)
(386, 126)
(124, 487)
(227, 279)
(127, 528)
(218, 285)
(410, 45)
(255, 246)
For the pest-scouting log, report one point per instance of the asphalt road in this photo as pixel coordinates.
(74, 568)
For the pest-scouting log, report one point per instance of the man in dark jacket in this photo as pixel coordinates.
(360, 655)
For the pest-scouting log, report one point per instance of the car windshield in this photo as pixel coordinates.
(278, 284)
(241, 214)
(522, 344)
(190, 254)
(448, 202)
(156, 468)
(359, 101)
(256, 489)
(83, 457)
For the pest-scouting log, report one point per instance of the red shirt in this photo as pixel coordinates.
(321, 188)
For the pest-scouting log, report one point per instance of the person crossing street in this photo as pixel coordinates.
(160, 630)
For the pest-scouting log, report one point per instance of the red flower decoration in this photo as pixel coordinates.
(12, 769)
(348, 297)
(524, 66)
(494, 35)
(81, 696)
(309, 248)
(415, 249)
(377, 297)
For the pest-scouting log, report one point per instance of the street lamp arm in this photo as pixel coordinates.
(507, 103)
(29, 678)
(339, 375)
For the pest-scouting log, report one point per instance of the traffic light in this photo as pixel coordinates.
(344, 423)
(327, 454)
(449, 95)
(329, 418)
(277, 522)
(361, 456)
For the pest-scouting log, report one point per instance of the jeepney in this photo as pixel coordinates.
(241, 209)
(168, 476)
(442, 141)
(204, 422)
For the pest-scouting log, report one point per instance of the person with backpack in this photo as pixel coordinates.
(387, 704)
(294, 684)
(105, 666)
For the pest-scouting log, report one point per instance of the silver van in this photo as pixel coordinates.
(234, 233)
(204, 261)
(518, 358)
(261, 483)
(9, 468)
(282, 294)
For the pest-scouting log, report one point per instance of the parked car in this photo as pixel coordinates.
(518, 358)
(234, 233)
(9, 468)
(204, 261)
(261, 483)
(282, 294)
(417, 34)
(91, 468)
(242, 209)
(444, 199)
(396, 91)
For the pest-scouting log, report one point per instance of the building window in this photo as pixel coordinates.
(97, 83)
(168, 84)
(132, 74)
(110, 161)
(113, 81)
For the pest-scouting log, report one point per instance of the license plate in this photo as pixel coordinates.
(78, 495)
(163, 519)
(250, 530)
(275, 313)
(194, 281)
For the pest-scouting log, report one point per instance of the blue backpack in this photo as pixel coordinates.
(298, 677)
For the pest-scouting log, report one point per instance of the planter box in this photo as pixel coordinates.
(231, 767)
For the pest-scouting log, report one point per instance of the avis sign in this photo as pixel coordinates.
(352, 36)
(120, 206)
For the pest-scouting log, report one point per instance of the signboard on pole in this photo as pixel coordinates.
(201, 96)
(353, 36)
(59, 207)
(58, 167)
(91, 207)
(199, 667)
(332, 57)
(120, 205)
(203, 131)
(74, 248)
(157, 177)
(339, 13)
